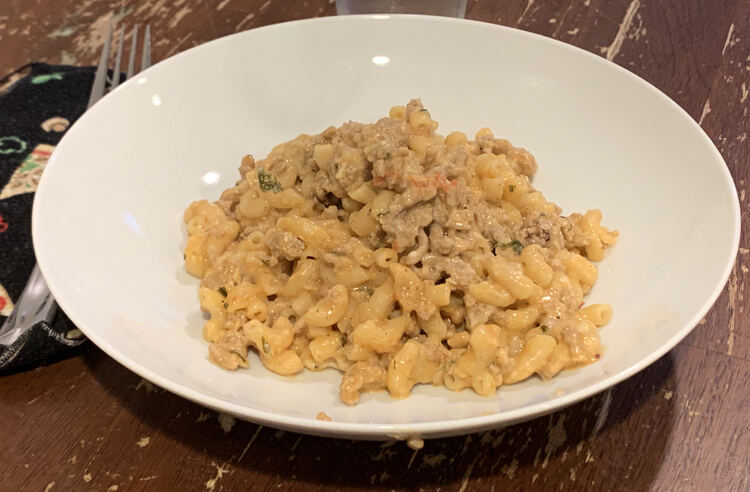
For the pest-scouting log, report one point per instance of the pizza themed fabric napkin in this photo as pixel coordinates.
(38, 103)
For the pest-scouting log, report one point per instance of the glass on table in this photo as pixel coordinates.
(448, 8)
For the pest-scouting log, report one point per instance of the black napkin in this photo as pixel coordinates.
(35, 112)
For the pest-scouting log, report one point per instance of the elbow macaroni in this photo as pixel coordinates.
(399, 257)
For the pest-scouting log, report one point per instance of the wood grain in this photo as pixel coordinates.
(86, 423)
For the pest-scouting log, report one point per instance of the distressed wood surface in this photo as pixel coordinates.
(86, 423)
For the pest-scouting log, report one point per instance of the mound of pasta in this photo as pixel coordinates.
(397, 256)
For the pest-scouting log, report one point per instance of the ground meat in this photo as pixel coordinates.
(229, 351)
(383, 138)
(543, 230)
(439, 242)
(405, 226)
(459, 196)
(323, 185)
(360, 377)
(440, 211)
(452, 232)
(349, 168)
(452, 163)
(477, 313)
(460, 274)
(392, 173)
(284, 245)
(493, 223)
(460, 219)
(379, 151)
(350, 133)
(452, 242)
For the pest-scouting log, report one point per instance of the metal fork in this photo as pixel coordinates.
(36, 302)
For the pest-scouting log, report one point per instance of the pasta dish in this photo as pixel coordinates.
(399, 257)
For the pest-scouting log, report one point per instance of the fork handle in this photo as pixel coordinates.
(35, 304)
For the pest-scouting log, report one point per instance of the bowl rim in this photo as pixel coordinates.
(364, 430)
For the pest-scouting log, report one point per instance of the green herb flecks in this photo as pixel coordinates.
(512, 188)
(265, 262)
(344, 339)
(226, 306)
(364, 288)
(223, 291)
(515, 245)
(267, 181)
(544, 328)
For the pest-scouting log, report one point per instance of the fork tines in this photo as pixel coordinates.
(100, 80)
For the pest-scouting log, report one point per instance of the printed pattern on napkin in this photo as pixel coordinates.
(6, 305)
(25, 179)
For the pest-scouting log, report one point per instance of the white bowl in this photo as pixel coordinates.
(107, 217)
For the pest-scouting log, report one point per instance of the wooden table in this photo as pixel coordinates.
(86, 423)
